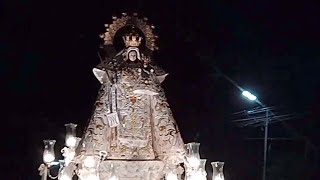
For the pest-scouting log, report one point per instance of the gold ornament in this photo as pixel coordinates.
(126, 20)
(132, 40)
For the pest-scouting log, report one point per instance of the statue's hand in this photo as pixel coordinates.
(41, 169)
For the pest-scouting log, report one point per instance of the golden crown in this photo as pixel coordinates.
(132, 40)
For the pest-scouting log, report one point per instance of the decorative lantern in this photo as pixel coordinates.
(217, 170)
(48, 153)
(193, 156)
(202, 169)
(71, 139)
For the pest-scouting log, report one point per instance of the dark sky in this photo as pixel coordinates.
(48, 50)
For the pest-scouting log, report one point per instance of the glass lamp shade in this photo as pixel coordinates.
(48, 153)
(71, 139)
(202, 170)
(202, 164)
(217, 170)
(193, 156)
(193, 149)
(198, 173)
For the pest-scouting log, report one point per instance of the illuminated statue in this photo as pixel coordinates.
(132, 119)
(131, 134)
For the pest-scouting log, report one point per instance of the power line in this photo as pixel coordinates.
(265, 122)
(258, 117)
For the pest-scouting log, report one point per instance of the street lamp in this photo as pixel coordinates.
(252, 97)
(249, 95)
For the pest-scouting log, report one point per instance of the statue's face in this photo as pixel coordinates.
(132, 55)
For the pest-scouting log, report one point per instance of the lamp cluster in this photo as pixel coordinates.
(67, 170)
(194, 165)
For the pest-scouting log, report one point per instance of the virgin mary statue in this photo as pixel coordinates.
(132, 119)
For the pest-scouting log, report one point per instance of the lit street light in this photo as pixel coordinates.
(252, 97)
(248, 95)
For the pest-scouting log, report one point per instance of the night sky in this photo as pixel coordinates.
(48, 50)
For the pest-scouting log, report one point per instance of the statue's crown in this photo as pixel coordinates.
(132, 40)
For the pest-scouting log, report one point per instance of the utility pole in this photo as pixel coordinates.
(261, 117)
(268, 118)
(265, 153)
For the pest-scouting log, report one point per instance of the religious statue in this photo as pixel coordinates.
(132, 119)
(131, 134)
